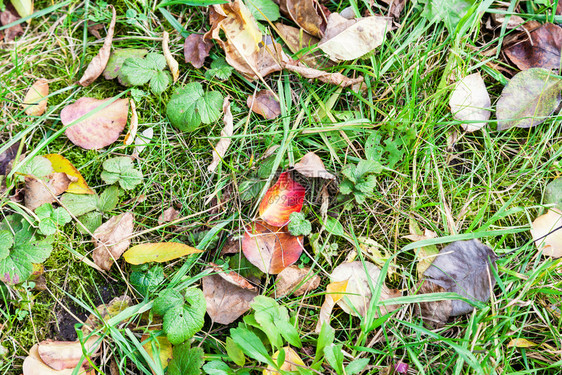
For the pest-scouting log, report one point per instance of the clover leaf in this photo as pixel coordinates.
(299, 226)
(121, 169)
(191, 105)
(50, 219)
(219, 69)
(138, 71)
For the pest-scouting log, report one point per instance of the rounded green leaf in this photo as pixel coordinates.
(166, 300)
(182, 322)
(6, 242)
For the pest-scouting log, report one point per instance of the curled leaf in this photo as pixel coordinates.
(264, 103)
(470, 102)
(158, 252)
(312, 166)
(172, 63)
(220, 149)
(226, 301)
(112, 239)
(551, 245)
(63, 165)
(133, 126)
(35, 101)
(337, 79)
(281, 200)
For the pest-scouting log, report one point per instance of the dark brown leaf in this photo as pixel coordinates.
(541, 50)
(226, 302)
(264, 103)
(326, 77)
(395, 7)
(308, 14)
(168, 215)
(6, 158)
(196, 49)
(8, 16)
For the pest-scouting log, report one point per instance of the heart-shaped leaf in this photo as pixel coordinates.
(191, 105)
(281, 200)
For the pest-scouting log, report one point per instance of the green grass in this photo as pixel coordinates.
(489, 186)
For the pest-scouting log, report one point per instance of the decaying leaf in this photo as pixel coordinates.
(35, 101)
(196, 49)
(264, 103)
(297, 40)
(528, 99)
(99, 62)
(112, 239)
(520, 343)
(38, 192)
(226, 302)
(350, 39)
(133, 125)
(233, 277)
(471, 103)
(116, 61)
(395, 7)
(61, 355)
(292, 362)
(172, 63)
(349, 288)
(281, 200)
(463, 267)
(163, 348)
(104, 312)
(337, 79)
(101, 127)
(312, 166)
(220, 149)
(551, 245)
(158, 252)
(541, 49)
(307, 14)
(6, 158)
(33, 365)
(8, 16)
(269, 248)
(426, 254)
(63, 165)
(169, 214)
(295, 280)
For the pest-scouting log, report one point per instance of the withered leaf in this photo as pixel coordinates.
(296, 280)
(463, 267)
(133, 125)
(33, 365)
(196, 49)
(170, 214)
(540, 50)
(6, 158)
(233, 277)
(551, 245)
(470, 102)
(8, 16)
(264, 103)
(301, 43)
(98, 63)
(308, 14)
(104, 312)
(112, 239)
(220, 149)
(226, 302)
(312, 166)
(395, 7)
(35, 101)
(172, 63)
(61, 355)
(337, 79)
(38, 192)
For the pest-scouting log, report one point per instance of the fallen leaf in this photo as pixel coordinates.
(426, 254)
(104, 312)
(172, 63)
(170, 214)
(117, 59)
(528, 99)
(462, 267)
(552, 192)
(307, 14)
(471, 103)
(312, 166)
(158, 252)
(541, 49)
(63, 165)
(301, 43)
(264, 103)
(35, 101)
(269, 248)
(38, 192)
(33, 365)
(143, 140)
(220, 149)
(520, 343)
(551, 245)
(395, 7)
(226, 302)
(6, 158)
(233, 277)
(99, 62)
(337, 79)
(61, 355)
(8, 16)
(196, 49)
(281, 200)
(101, 127)
(350, 39)
(23, 7)
(293, 362)
(513, 22)
(112, 239)
(295, 280)
(349, 288)
(133, 125)
(94, 28)
(164, 349)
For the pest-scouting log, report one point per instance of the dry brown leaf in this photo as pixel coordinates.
(308, 14)
(513, 22)
(38, 192)
(94, 29)
(551, 245)
(8, 16)
(541, 50)
(312, 166)
(326, 77)
(35, 101)
(172, 63)
(98, 63)
(296, 280)
(470, 102)
(133, 126)
(99, 129)
(264, 103)
(350, 39)
(7, 157)
(220, 149)
(196, 49)
(233, 277)
(61, 355)
(226, 302)
(112, 239)
(395, 7)
(33, 365)
(170, 214)
(297, 40)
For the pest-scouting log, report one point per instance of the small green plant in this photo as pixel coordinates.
(88, 208)
(186, 360)
(219, 69)
(51, 218)
(138, 71)
(384, 148)
(360, 180)
(191, 105)
(145, 279)
(299, 225)
(121, 170)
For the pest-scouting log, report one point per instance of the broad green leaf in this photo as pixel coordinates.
(325, 338)
(79, 204)
(145, 279)
(92, 220)
(122, 170)
(334, 356)
(263, 10)
(251, 345)
(299, 225)
(137, 71)
(356, 366)
(158, 252)
(234, 352)
(108, 199)
(210, 106)
(217, 367)
(117, 59)
(190, 106)
(160, 82)
(156, 61)
(6, 242)
(449, 11)
(39, 167)
(334, 227)
(182, 322)
(186, 360)
(166, 300)
(528, 99)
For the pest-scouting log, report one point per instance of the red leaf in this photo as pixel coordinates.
(269, 248)
(281, 200)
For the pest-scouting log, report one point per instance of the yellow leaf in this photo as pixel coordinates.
(337, 289)
(521, 343)
(163, 348)
(292, 362)
(23, 7)
(158, 252)
(61, 164)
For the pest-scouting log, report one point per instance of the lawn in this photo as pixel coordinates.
(397, 167)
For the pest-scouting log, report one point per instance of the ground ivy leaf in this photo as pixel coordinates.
(186, 360)
(146, 280)
(166, 300)
(219, 69)
(160, 82)
(6, 242)
(190, 106)
(210, 106)
(156, 61)
(121, 169)
(50, 219)
(528, 99)
(117, 59)
(184, 321)
(79, 204)
(108, 199)
(137, 71)
(38, 166)
(264, 10)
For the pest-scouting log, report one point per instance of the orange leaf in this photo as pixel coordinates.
(158, 252)
(61, 164)
(281, 200)
(269, 248)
